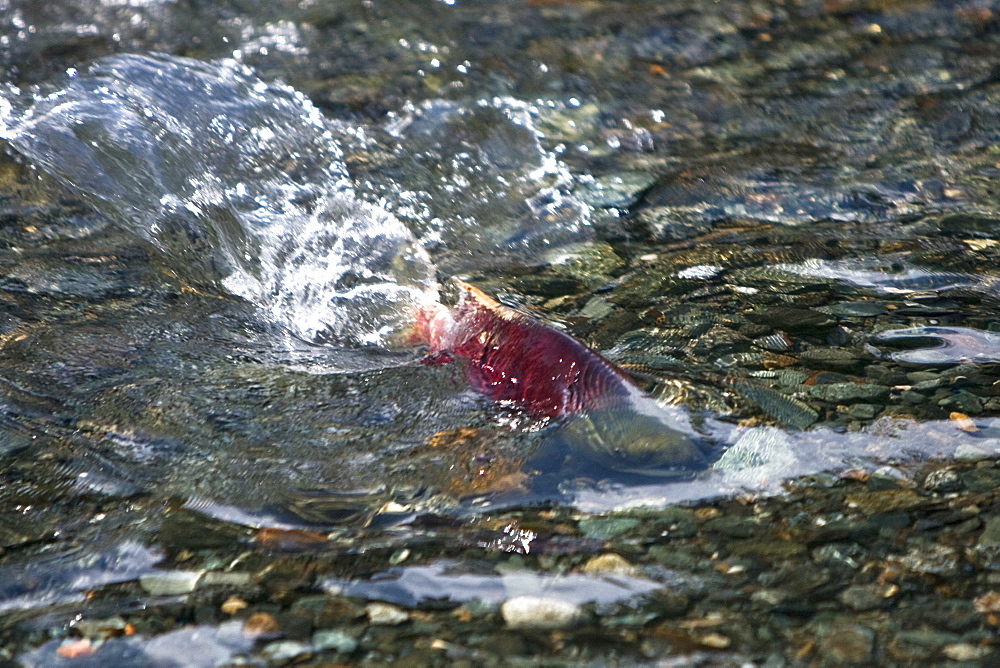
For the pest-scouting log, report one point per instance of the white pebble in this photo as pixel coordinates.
(384, 614)
(533, 612)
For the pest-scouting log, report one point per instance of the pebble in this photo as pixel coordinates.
(846, 392)
(865, 597)
(384, 614)
(715, 640)
(943, 481)
(830, 358)
(537, 613)
(284, 650)
(335, 640)
(596, 308)
(609, 563)
(221, 578)
(232, 605)
(991, 533)
(607, 527)
(261, 625)
(169, 583)
(852, 644)
(963, 651)
(95, 628)
(919, 645)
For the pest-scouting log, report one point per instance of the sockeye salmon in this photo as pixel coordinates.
(600, 413)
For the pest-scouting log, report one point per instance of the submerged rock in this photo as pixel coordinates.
(535, 613)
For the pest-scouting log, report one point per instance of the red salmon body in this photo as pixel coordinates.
(515, 358)
(512, 357)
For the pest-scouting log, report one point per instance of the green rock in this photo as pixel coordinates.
(607, 527)
(855, 309)
(169, 583)
(849, 392)
(835, 359)
(337, 641)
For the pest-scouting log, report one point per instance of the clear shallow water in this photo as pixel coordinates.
(164, 292)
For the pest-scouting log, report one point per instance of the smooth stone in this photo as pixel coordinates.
(963, 651)
(607, 527)
(865, 597)
(169, 583)
(830, 358)
(845, 392)
(862, 411)
(335, 640)
(855, 309)
(284, 650)
(991, 533)
(235, 579)
(596, 308)
(383, 614)
(609, 563)
(537, 613)
(852, 644)
(92, 628)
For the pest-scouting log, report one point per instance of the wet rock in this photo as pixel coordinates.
(933, 559)
(667, 223)
(855, 309)
(585, 262)
(918, 645)
(538, 613)
(337, 641)
(714, 640)
(596, 308)
(834, 359)
(548, 286)
(222, 578)
(261, 625)
(232, 605)
(607, 527)
(862, 411)
(848, 644)
(619, 191)
(866, 597)
(966, 652)
(962, 401)
(770, 550)
(791, 319)
(770, 597)
(285, 650)
(384, 614)
(97, 628)
(777, 342)
(170, 583)
(787, 410)
(942, 481)
(883, 502)
(991, 533)
(848, 392)
(609, 563)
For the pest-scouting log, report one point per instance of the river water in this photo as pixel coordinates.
(218, 223)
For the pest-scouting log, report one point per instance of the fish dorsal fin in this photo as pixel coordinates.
(502, 309)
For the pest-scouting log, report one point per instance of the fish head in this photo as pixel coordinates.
(630, 441)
